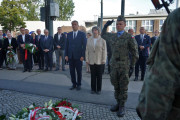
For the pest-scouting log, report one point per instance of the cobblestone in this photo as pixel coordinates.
(11, 102)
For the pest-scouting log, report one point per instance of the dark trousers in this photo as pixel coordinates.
(27, 63)
(142, 63)
(48, 59)
(109, 67)
(96, 77)
(4, 57)
(1, 59)
(35, 57)
(40, 57)
(75, 66)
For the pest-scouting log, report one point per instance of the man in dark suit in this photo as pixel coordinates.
(47, 47)
(1, 49)
(10, 43)
(59, 45)
(153, 39)
(75, 53)
(40, 52)
(144, 43)
(25, 54)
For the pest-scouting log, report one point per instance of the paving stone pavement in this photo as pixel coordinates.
(11, 102)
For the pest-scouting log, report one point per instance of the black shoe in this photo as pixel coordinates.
(56, 69)
(115, 108)
(29, 70)
(78, 88)
(39, 69)
(121, 112)
(72, 88)
(98, 92)
(93, 92)
(63, 70)
(24, 70)
(46, 69)
(136, 79)
(142, 78)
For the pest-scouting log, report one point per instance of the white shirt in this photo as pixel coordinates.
(9, 41)
(75, 32)
(23, 37)
(59, 36)
(95, 41)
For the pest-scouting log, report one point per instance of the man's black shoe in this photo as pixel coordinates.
(56, 69)
(142, 79)
(46, 69)
(63, 70)
(121, 112)
(115, 108)
(136, 79)
(78, 88)
(98, 92)
(72, 88)
(24, 70)
(93, 92)
(29, 70)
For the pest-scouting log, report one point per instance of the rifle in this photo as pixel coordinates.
(164, 3)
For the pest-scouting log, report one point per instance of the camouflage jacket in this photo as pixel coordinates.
(121, 46)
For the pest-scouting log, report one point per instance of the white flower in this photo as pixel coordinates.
(31, 107)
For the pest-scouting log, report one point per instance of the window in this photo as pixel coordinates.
(148, 25)
(161, 22)
(130, 24)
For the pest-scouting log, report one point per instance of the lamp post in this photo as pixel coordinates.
(122, 7)
(101, 15)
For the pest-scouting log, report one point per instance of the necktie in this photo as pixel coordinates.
(74, 35)
(142, 37)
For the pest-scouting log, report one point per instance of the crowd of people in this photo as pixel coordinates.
(75, 47)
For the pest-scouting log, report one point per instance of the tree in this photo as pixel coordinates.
(32, 10)
(66, 9)
(12, 14)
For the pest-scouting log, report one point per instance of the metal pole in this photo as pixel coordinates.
(166, 6)
(177, 3)
(50, 21)
(122, 7)
(101, 15)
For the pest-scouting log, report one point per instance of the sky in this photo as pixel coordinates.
(90, 9)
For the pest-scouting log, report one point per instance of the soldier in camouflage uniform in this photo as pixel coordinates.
(121, 44)
(160, 95)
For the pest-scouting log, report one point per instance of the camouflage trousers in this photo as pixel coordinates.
(159, 98)
(120, 80)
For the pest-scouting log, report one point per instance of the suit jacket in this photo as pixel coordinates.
(146, 43)
(153, 39)
(38, 42)
(1, 45)
(20, 41)
(62, 41)
(75, 47)
(47, 44)
(13, 44)
(98, 53)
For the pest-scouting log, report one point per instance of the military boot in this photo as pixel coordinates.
(121, 112)
(115, 108)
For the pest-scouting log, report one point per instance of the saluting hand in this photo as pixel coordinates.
(66, 58)
(82, 58)
(108, 23)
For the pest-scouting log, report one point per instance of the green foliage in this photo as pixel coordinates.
(12, 14)
(66, 9)
(32, 10)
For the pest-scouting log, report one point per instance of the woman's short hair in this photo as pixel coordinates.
(96, 28)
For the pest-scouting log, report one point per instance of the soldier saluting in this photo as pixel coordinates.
(121, 44)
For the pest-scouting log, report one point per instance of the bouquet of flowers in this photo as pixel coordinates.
(61, 110)
(31, 48)
(10, 56)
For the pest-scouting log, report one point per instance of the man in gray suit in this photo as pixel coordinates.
(47, 47)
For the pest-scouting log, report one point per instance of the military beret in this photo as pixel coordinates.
(121, 18)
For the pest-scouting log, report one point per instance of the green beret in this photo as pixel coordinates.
(121, 18)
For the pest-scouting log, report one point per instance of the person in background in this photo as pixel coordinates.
(75, 53)
(87, 66)
(59, 46)
(40, 52)
(96, 53)
(18, 50)
(154, 38)
(25, 54)
(144, 43)
(47, 46)
(10, 43)
(34, 40)
(26, 31)
(1, 49)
